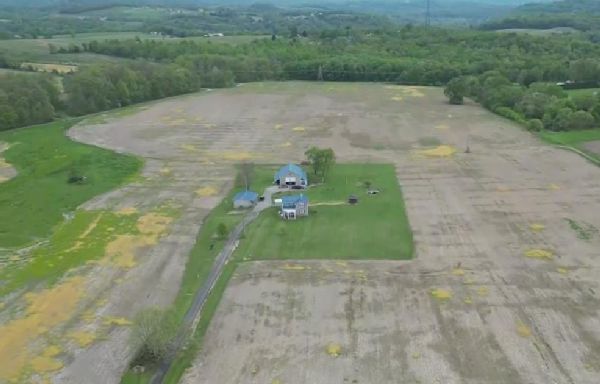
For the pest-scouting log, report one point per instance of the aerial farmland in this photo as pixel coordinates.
(483, 271)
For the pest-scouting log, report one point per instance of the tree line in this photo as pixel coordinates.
(27, 100)
(412, 55)
(538, 105)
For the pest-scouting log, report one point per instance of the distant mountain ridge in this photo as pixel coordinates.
(563, 6)
(175, 3)
(583, 15)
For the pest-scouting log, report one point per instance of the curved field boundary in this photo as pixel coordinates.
(581, 153)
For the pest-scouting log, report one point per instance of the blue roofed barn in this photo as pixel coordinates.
(291, 175)
(245, 199)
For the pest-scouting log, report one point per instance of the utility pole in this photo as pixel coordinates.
(428, 14)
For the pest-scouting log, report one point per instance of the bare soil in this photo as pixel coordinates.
(7, 172)
(509, 318)
(592, 146)
(472, 307)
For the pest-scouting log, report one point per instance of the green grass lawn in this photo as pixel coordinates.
(33, 203)
(375, 228)
(586, 91)
(571, 137)
(574, 139)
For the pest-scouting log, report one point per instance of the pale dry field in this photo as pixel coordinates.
(7, 172)
(500, 316)
(593, 146)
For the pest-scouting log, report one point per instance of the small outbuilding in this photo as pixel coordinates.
(294, 206)
(291, 176)
(245, 199)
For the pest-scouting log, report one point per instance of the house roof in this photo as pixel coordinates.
(292, 200)
(290, 168)
(246, 195)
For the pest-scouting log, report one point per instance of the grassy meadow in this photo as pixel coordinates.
(585, 91)
(34, 202)
(577, 140)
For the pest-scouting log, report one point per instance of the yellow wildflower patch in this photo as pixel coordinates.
(539, 254)
(441, 294)
(523, 330)
(122, 250)
(294, 267)
(334, 349)
(535, 227)
(207, 191)
(44, 311)
(82, 338)
(439, 151)
(116, 321)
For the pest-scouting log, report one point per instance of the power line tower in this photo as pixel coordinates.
(428, 14)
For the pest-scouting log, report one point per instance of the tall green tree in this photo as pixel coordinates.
(321, 160)
(456, 90)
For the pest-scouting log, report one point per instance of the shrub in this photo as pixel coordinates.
(154, 336)
(222, 231)
(510, 114)
(535, 125)
(580, 120)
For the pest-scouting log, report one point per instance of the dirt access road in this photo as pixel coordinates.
(504, 287)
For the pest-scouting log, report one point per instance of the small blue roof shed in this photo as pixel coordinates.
(245, 199)
(246, 196)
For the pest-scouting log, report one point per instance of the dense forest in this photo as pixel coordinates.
(411, 55)
(27, 100)
(538, 106)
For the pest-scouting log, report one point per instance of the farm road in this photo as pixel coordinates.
(193, 314)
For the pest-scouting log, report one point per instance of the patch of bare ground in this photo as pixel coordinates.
(592, 146)
(501, 290)
(7, 172)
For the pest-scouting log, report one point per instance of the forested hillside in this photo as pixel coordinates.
(72, 18)
(583, 15)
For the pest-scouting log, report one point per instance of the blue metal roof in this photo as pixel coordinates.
(290, 168)
(246, 195)
(292, 200)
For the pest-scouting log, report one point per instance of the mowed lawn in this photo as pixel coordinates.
(584, 91)
(375, 228)
(585, 141)
(36, 200)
